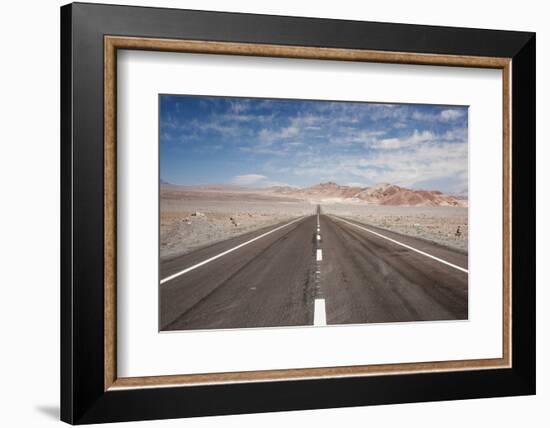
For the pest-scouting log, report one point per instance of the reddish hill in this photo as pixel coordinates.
(390, 194)
(381, 194)
(330, 192)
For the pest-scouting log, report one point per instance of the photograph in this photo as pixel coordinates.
(290, 212)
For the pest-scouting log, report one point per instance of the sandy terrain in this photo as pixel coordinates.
(191, 219)
(437, 224)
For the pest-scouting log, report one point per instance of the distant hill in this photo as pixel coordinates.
(381, 194)
(330, 192)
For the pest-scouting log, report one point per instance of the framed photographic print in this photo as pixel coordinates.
(265, 213)
(266, 185)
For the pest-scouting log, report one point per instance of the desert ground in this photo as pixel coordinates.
(191, 218)
(436, 224)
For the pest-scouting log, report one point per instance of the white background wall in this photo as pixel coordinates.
(29, 213)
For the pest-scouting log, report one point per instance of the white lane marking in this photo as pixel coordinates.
(318, 237)
(406, 246)
(319, 313)
(319, 254)
(189, 269)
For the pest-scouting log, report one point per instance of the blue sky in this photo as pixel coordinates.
(266, 142)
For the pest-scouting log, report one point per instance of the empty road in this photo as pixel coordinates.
(314, 270)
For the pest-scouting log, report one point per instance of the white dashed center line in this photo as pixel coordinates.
(319, 314)
(319, 310)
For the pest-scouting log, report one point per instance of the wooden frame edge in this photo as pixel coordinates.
(109, 198)
(301, 52)
(300, 374)
(112, 43)
(507, 213)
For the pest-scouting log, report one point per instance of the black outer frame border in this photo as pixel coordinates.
(83, 399)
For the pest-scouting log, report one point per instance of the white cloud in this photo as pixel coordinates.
(428, 117)
(297, 128)
(213, 125)
(413, 160)
(409, 167)
(458, 135)
(357, 137)
(266, 137)
(451, 114)
(447, 115)
(239, 106)
(248, 179)
(354, 143)
(397, 143)
(240, 117)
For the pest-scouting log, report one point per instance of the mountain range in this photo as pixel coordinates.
(330, 192)
(381, 194)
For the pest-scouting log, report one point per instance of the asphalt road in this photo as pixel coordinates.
(316, 270)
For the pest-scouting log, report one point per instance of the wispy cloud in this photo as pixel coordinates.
(239, 106)
(248, 179)
(257, 180)
(453, 114)
(412, 160)
(446, 115)
(417, 137)
(215, 139)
